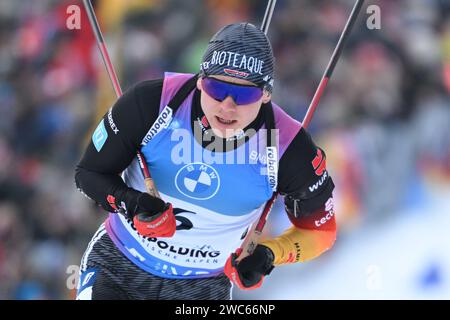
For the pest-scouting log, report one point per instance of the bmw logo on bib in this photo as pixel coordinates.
(197, 181)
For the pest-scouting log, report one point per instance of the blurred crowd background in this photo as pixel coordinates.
(384, 123)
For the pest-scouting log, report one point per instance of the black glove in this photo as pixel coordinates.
(148, 204)
(153, 217)
(134, 202)
(251, 270)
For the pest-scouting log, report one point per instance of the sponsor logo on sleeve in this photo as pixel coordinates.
(319, 163)
(294, 256)
(100, 135)
(112, 125)
(319, 183)
(112, 202)
(329, 208)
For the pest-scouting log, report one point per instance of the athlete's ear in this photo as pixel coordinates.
(266, 96)
(199, 84)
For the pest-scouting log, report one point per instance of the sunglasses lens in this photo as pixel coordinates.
(241, 94)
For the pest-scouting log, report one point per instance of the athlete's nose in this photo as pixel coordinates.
(228, 105)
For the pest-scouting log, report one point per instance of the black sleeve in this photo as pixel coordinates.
(114, 144)
(302, 177)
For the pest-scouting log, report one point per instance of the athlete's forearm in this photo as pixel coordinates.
(311, 235)
(300, 245)
(108, 190)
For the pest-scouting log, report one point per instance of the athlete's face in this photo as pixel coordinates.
(226, 118)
